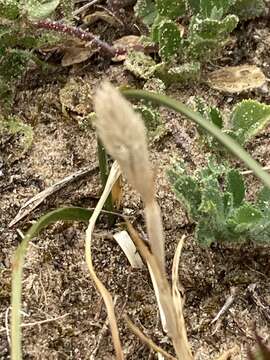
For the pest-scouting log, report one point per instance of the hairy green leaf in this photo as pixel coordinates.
(248, 118)
(40, 9)
(171, 8)
(216, 117)
(248, 9)
(235, 185)
(205, 231)
(140, 65)
(263, 200)
(244, 218)
(187, 191)
(10, 9)
(178, 74)
(207, 35)
(214, 9)
(146, 10)
(169, 40)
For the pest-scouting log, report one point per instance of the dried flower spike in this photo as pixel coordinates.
(123, 134)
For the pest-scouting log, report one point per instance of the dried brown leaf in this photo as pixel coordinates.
(125, 242)
(235, 79)
(113, 176)
(104, 16)
(76, 55)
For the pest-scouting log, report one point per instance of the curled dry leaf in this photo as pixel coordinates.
(117, 193)
(107, 298)
(104, 16)
(125, 242)
(129, 42)
(235, 79)
(76, 55)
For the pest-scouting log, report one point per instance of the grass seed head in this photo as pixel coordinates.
(123, 134)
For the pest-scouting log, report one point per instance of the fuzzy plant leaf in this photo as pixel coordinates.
(175, 171)
(150, 115)
(248, 118)
(146, 10)
(248, 9)
(141, 65)
(187, 190)
(195, 5)
(171, 9)
(169, 39)
(156, 85)
(155, 28)
(221, 214)
(244, 218)
(261, 232)
(207, 36)
(10, 9)
(214, 9)
(236, 186)
(38, 10)
(178, 74)
(216, 117)
(205, 232)
(263, 200)
(227, 203)
(212, 203)
(210, 113)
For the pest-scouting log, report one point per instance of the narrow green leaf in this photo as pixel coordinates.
(224, 139)
(64, 214)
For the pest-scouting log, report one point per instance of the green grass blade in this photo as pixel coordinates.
(66, 214)
(226, 140)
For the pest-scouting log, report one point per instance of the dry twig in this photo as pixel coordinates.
(146, 340)
(36, 200)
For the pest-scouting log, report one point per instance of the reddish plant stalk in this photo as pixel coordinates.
(78, 33)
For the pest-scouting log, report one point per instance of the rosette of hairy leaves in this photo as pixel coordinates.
(215, 199)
